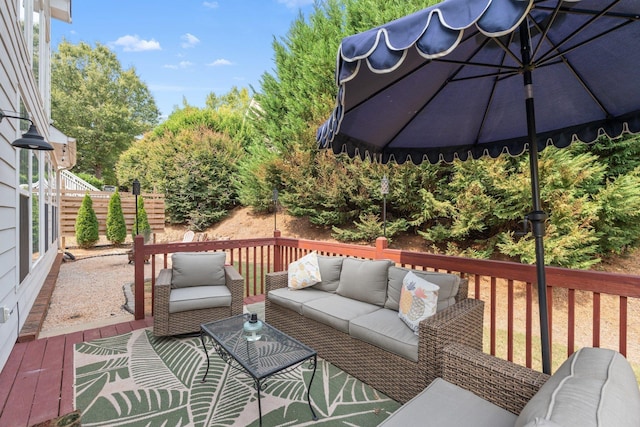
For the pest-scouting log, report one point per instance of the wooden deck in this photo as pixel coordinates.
(36, 383)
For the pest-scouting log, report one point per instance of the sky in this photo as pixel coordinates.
(185, 49)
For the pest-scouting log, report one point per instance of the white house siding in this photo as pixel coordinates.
(17, 83)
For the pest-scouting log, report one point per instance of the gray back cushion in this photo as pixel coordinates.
(449, 286)
(364, 280)
(197, 269)
(593, 387)
(330, 267)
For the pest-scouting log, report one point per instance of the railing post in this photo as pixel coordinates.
(381, 244)
(138, 257)
(277, 252)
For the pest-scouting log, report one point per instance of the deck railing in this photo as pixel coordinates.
(587, 308)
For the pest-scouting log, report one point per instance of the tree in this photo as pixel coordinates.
(101, 105)
(86, 224)
(468, 208)
(192, 159)
(116, 227)
(141, 222)
(294, 101)
(236, 99)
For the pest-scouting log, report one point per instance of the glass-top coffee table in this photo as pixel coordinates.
(275, 352)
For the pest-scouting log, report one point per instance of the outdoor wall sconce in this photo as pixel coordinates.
(31, 140)
(384, 189)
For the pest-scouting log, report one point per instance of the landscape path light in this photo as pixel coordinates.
(384, 189)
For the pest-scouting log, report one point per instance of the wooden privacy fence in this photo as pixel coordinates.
(71, 200)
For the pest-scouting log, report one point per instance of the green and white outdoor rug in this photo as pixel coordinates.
(137, 379)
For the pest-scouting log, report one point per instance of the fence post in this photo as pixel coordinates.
(138, 257)
(381, 244)
(277, 252)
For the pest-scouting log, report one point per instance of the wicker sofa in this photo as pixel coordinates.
(385, 354)
(199, 288)
(594, 387)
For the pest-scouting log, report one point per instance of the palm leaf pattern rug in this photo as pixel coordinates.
(138, 379)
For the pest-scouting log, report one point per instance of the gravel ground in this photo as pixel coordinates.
(89, 291)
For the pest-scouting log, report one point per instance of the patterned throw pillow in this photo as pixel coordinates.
(304, 272)
(418, 300)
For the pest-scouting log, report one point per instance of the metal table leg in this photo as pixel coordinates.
(204, 378)
(315, 364)
(259, 389)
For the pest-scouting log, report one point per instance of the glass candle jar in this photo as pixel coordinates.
(252, 328)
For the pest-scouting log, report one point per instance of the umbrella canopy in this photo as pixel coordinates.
(446, 82)
(458, 80)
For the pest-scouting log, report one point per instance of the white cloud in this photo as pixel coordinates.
(134, 43)
(211, 4)
(189, 40)
(295, 3)
(220, 62)
(181, 65)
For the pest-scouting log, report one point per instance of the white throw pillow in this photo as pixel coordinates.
(304, 272)
(418, 300)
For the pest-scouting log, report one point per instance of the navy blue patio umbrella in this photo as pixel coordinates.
(458, 80)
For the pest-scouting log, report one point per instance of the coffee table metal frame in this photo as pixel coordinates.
(284, 352)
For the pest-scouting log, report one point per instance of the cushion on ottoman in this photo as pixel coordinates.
(443, 404)
(593, 387)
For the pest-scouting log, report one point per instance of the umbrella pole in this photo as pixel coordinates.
(538, 216)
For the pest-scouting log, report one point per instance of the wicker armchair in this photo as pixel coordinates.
(183, 322)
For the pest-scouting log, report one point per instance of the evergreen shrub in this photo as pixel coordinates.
(116, 226)
(86, 224)
(141, 223)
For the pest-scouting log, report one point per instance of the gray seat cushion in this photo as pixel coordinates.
(293, 299)
(197, 269)
(199, 297)
(593, 387)
(336, 311)
(443, 404)
(449, 285)
(364, 280)
(330, 267)
(383, 328)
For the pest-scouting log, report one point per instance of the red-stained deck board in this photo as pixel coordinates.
(123, 328)
(46, 401)
(9, 373)
(92, 334)
(108, 331)
(20, 401)
(7, 380)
